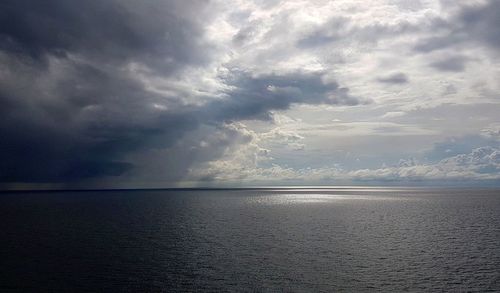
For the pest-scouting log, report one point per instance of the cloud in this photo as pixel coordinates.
(395, 78)
(228, 144)
(454, 146)
(289, 139)
(453, 64)
(393, 114)
(89, 89)
(473, 24)
(164, 35)
(481, 164)
(72, 106)
(481, 22)
(492, 131)
(254, 97)
(241, 157)
(74, 121)
(340, 29)
(333, 30)
(165, 89)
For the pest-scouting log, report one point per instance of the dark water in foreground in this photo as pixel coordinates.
(251, 240)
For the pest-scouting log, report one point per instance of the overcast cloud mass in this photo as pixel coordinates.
(164, 93)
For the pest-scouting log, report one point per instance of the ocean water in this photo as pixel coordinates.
(262, 240)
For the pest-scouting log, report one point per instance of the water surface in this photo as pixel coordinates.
(263, 240)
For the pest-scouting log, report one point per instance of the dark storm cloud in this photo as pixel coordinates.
(474, 23)
(253, 97)
(81, 127)
(395, 78)
(162, 34)
(71, 108)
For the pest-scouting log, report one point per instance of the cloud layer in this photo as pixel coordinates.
(168, 91)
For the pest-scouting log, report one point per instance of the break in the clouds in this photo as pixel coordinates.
(168, 93)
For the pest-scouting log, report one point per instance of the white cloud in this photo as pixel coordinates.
(492, 131)
(481, 164)
(287, 138)
(422, 97)
(393, 114)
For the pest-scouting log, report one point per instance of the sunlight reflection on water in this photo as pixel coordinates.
(305, 198)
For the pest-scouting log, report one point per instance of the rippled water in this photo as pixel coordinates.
(298, 240)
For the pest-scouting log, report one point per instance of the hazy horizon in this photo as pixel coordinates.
(415, 186)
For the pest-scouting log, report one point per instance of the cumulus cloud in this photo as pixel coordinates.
(240, 160)
(492, 131)
(290, 139)
(454, 146)
(481, 164)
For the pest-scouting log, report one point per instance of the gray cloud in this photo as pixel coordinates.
(334, 30)
(196, 147)
(80, 124)
(253, 97)
(395, 78)
(162, 34)
(482, 23)
(71, 107)
(453, 64)
(340, 29)
(435, 43)
(473, 24)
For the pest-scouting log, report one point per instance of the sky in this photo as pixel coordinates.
(173, 93)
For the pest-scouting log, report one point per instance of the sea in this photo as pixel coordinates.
(337, 239)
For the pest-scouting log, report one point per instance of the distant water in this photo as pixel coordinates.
(292, 240)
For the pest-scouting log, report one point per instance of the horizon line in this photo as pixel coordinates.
(207, 188)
